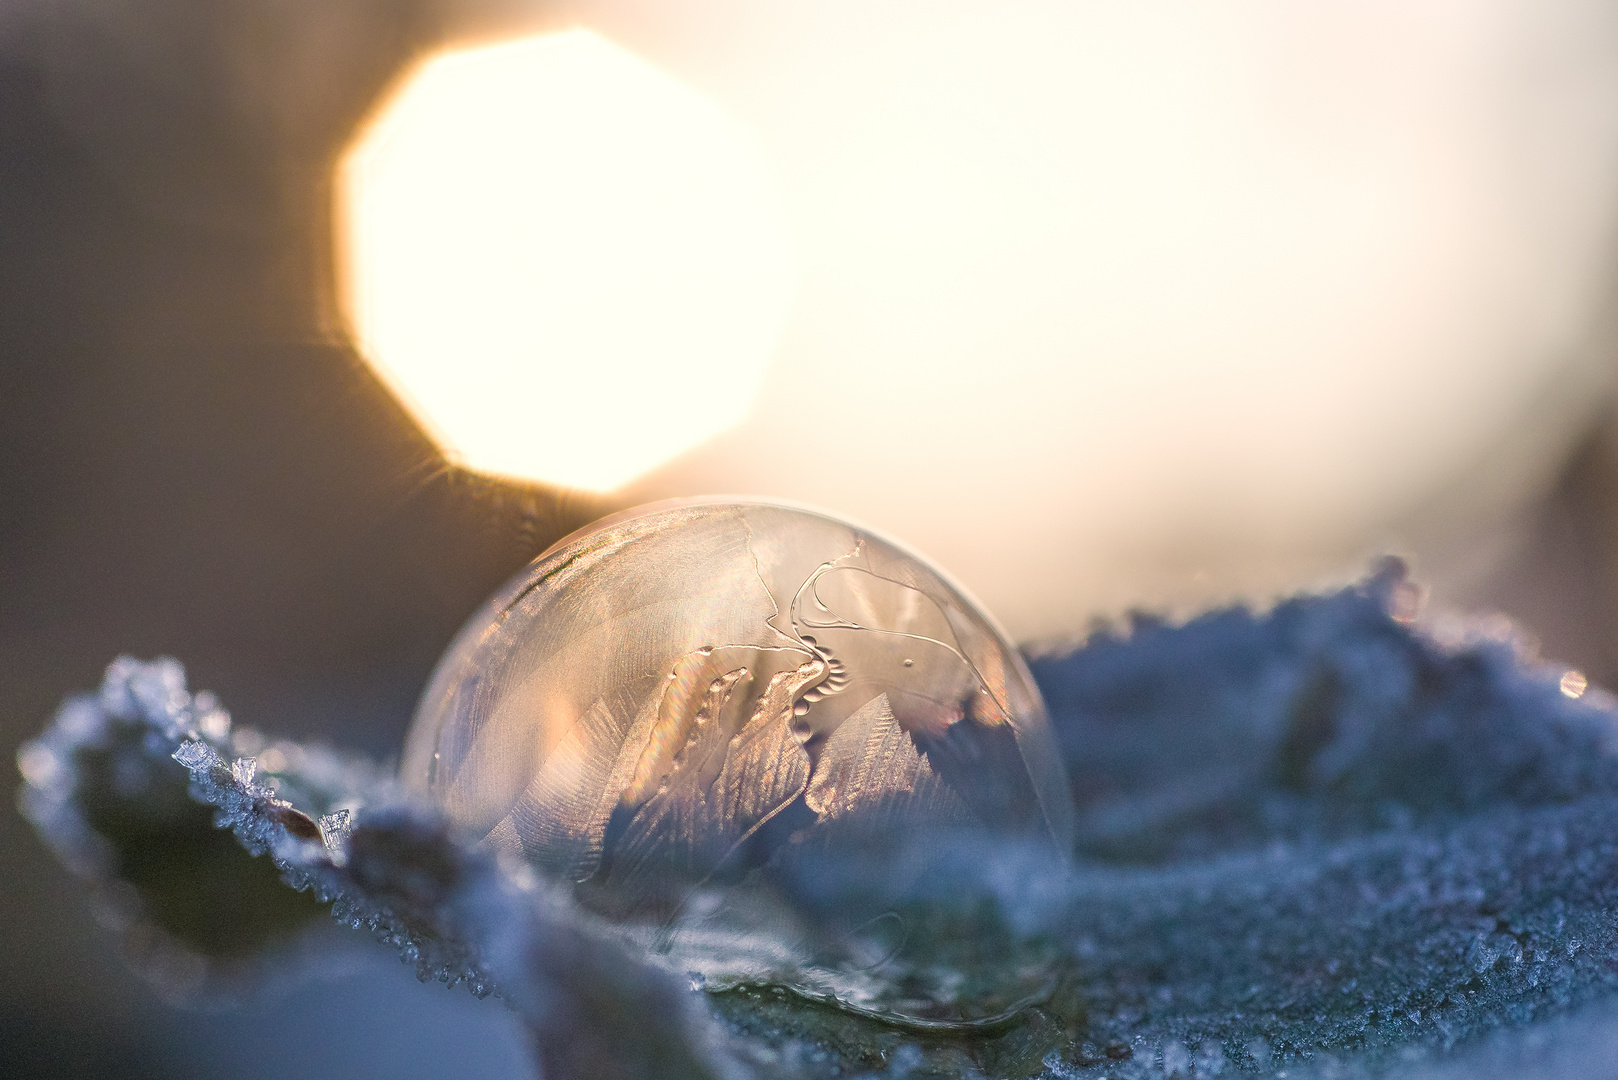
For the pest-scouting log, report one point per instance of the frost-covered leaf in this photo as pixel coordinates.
(194, 911)
(381, 863)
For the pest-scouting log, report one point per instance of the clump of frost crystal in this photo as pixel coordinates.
(1324, 840)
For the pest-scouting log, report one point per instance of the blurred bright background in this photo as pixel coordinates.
(321, 320)
(1100, 305)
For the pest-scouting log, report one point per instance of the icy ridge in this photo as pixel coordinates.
(393, 868)
(1331, 839)
(1326, 716)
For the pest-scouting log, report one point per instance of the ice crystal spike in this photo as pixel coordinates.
(334, 829)
(196, 755)
(695, 692)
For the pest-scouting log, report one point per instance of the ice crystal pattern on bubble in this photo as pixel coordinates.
(694, 694)
(672, 681)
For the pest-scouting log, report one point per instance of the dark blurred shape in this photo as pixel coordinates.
(187, 872)
(1559, 576)
(189, 464)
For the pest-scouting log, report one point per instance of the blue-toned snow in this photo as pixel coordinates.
(1320, 840)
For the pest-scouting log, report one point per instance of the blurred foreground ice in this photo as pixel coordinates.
(1329, 839)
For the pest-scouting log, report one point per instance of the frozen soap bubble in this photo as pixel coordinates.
(744, 731)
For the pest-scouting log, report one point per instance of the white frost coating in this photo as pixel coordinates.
(1317, 841)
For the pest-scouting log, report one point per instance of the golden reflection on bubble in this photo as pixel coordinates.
(1574, 684)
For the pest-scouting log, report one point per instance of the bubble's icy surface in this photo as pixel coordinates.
(694, 693)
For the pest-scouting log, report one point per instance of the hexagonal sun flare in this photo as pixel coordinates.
(568, 265)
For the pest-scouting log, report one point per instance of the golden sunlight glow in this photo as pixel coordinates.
(566, 263)
(1100, 305)
(1154, 303)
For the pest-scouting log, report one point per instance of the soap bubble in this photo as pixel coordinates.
(749, 734)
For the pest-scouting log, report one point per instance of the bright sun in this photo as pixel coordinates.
(566, 263)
